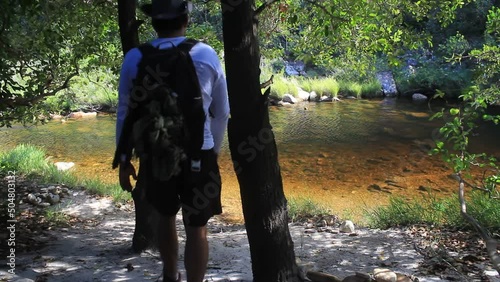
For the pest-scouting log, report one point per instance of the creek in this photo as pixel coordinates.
(348, 155)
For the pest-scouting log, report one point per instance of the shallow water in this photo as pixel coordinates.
(347, 155)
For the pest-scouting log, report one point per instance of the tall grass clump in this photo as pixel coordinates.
(349, 88)
(437, 212)
(325, 86)
(282, 86)
(371, 89)
(302, 208)
(31, 161)
(24, 159)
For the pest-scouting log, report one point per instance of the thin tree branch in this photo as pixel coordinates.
(267, 83)
(491, 244)
(324, 9)
(21, 101)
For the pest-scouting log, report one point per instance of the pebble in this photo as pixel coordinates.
(384, 275)
(347, 227)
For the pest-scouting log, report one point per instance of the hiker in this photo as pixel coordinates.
(195, 185)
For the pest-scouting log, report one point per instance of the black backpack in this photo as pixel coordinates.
(165, 120)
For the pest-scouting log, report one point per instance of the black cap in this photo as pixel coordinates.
(166, 9)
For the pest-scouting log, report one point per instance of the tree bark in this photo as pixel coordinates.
(253, 149)
(144, 213)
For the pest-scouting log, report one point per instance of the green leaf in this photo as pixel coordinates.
(454, 111)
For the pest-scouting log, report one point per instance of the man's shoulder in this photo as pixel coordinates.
(202, 52)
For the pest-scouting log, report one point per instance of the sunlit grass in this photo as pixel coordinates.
(348, 88)
(31, 162)
(437, 212)
(300, 208)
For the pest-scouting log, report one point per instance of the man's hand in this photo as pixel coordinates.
(125, 171)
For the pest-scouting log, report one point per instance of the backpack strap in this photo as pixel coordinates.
(187, 44)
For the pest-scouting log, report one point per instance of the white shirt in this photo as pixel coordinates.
(212, 83)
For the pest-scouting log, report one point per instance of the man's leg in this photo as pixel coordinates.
(169, 246)
(196, 253)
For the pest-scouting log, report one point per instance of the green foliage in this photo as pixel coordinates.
(435, 211)
(96, 88)
(303, 208)
(44, 44)
(430, 76)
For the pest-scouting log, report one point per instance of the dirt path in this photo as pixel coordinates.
(96, 247)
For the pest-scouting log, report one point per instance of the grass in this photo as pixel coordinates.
(31, 162)
(348, 88)
(301, 208)
(437, 212)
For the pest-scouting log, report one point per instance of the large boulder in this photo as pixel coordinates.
(388, 83)
(294, 68)
(419, 98)
(288, 98)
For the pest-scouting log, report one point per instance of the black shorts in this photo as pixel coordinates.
(198, 193)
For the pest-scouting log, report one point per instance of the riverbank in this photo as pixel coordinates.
(92, 237)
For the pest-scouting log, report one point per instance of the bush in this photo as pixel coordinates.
(428, 78)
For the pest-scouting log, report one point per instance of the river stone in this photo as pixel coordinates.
(53, 199)
(288, 98)
(62, 166)
(313, 96)
(384, 275)
(417, 97)
(325, 99)
(303, 95)
(347, 227)
(403, 278)
(355, 278)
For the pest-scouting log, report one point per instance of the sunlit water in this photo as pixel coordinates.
(347, 155)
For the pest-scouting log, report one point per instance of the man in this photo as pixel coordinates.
(201, 201)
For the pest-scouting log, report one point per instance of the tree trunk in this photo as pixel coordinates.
(253, 149)
(143, 233)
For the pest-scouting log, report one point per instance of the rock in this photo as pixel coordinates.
(62, 166)
(417, 97)
(294, 68)
(303, 95)
(347, 227)
(384, 275)
(77, 115)
(56, 117)
(288, 98)
(313, 96)
(53, 199)
(355, 278)
(322, 277)
(403, 278)
(32, 199)
(388, 83)
(325, 99)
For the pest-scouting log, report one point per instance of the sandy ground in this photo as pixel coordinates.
(97, 248)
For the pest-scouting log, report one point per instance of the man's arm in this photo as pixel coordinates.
(220, 110)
